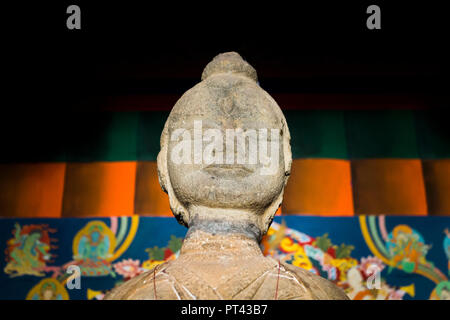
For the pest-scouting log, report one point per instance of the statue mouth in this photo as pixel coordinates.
(223, 170)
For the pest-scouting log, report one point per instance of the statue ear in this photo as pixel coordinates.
(178, 210)
(162, 170)
(287, 154)
(161, 161)
(267, 217)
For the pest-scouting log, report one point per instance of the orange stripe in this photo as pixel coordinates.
(99, 189)
(437, 182)
(316, 186)
(389, 186)
(319, 187)
(149, 198)
(31, 189)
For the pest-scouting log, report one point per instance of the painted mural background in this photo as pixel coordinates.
(411, 253)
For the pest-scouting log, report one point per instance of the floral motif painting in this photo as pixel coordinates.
(370, 257)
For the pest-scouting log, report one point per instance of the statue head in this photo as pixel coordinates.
(225, 149)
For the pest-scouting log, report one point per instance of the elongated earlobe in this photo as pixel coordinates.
(178, 210)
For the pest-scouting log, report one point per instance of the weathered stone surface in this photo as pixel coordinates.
(227, 207)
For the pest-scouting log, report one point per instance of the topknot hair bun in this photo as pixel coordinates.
(229, 62)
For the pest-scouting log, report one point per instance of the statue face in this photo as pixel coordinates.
(226, 146)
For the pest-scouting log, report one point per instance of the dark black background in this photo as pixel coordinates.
(151, 48)
(129, 47)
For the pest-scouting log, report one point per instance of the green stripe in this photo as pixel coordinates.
(317, 134)
(433, 134)
(381, 134)
(340, 134)
(107, 136)
(151, 125)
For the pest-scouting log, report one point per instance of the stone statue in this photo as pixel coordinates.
(225, 193)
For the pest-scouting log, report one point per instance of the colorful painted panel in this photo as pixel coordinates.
(412, 254)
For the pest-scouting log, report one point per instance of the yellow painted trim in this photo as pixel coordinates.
(369, 242)
(126, 243)
(59, 289)
(426, 275)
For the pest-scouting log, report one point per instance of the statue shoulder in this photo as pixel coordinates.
(320, 288)
(141, 287)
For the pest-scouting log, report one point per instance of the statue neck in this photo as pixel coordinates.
(228, 231)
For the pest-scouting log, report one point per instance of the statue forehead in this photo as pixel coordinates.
(228, 98)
